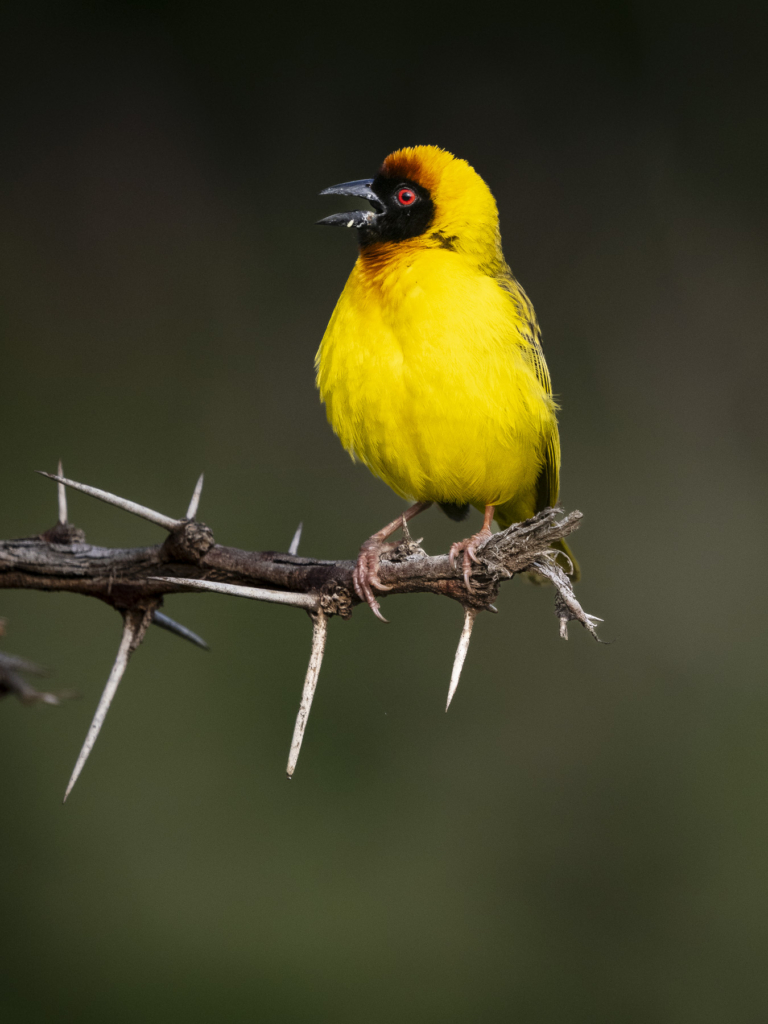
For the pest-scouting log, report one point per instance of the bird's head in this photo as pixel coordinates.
(424, 195)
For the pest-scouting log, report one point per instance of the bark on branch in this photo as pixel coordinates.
(60, 559)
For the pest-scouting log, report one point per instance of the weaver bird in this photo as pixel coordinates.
(431, 368)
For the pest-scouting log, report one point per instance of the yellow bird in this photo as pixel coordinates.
(431, 368)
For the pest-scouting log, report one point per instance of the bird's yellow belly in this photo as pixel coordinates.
(439, 441)
(434, 394)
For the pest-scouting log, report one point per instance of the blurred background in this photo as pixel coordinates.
(584, 838)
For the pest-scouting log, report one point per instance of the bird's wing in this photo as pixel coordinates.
(548, 484)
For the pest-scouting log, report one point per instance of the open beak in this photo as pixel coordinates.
(357, 218)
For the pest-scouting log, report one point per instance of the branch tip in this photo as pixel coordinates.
(319, 634)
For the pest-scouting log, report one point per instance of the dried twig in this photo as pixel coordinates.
(134, 581)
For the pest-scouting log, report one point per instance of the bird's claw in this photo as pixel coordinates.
(468, 549)
(366, 575)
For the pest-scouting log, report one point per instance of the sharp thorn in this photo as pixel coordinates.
(195, 500)
(175, 627)
(294, 548)
(319, 634)
(62, 498)
(406, 532)
(461, 653)
(308, 601)
(123, 503)
(130, 629)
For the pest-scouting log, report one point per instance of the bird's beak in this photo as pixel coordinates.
(357, 218)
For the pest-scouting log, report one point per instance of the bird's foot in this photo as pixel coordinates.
(366, 572)
(468, 549)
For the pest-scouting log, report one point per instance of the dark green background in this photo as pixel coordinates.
(584, 838)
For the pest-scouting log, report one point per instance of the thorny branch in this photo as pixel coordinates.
(134, 581)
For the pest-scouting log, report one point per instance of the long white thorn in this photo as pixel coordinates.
(294, 548)
(112, 499)
(461, 652)
(130, 627)
(319, 634)
(195, 499)
(176, 627)
(308, 601)
(62, 498)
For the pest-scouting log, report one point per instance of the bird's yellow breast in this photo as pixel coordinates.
(426, 374)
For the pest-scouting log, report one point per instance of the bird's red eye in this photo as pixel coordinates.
(406, 196)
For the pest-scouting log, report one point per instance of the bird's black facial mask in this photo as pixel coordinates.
(401, 209)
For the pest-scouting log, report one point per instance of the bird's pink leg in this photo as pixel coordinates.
(366, 574)
(471, 545)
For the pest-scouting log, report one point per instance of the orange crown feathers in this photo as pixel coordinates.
(422, 164)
